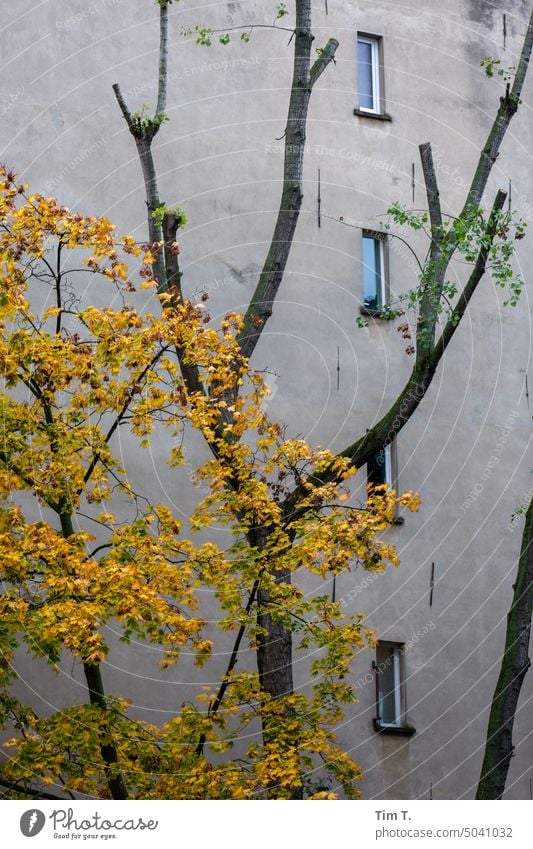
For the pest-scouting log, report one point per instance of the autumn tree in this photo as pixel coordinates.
(80, 546)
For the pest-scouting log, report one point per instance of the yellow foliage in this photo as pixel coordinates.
(72, 378)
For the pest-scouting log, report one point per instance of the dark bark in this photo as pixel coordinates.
(93, 676)
(434, 272)
(115, 779)
(274, 647)
(144, 134)
(21, 790)
(234, 657)
(515, 664)
(274, 658)
(189, 371)
(509, 104)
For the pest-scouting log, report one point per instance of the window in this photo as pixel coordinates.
(368, 67)
(371, 77)
(374, 276)
(379, 468)
(382, 468)
(390, 688)
(389, 702)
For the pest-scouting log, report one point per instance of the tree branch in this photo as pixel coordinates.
(163, 60)
(409, 399)
(93, 676)
(120, 416)
(123, 108)
(472, 282)
(303, 79)
(231, 666)
(514, 666)
(327, 55)
(189, 371)
(508, 106)
(143, 141)
(428, 357)
(28, 791)
(435, 268)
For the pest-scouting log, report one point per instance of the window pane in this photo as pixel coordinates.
(365, 71)
(387, 685)
(372, 273)
(377, 468)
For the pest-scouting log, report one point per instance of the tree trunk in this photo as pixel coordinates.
(274, 648)
(515, 663)
(115, 780)
(93, 676)
(303, 80)
(155, 234)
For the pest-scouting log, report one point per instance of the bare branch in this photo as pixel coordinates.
(508, 106)
(421, 376)
(29, 791)
(163, 60)
(435, 268)
(499, 747)
(472, 282)
(213, 708)
(327, 55)
(303, 80)
(189, 371)
(432, 189)
(123, 108)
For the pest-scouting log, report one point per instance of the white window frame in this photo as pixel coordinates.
(374, 42)
(397, 651)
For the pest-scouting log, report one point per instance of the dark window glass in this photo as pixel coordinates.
(377, 468)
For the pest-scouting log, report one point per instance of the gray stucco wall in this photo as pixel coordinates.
(220, 158)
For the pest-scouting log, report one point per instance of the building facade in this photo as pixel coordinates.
(404, 74)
